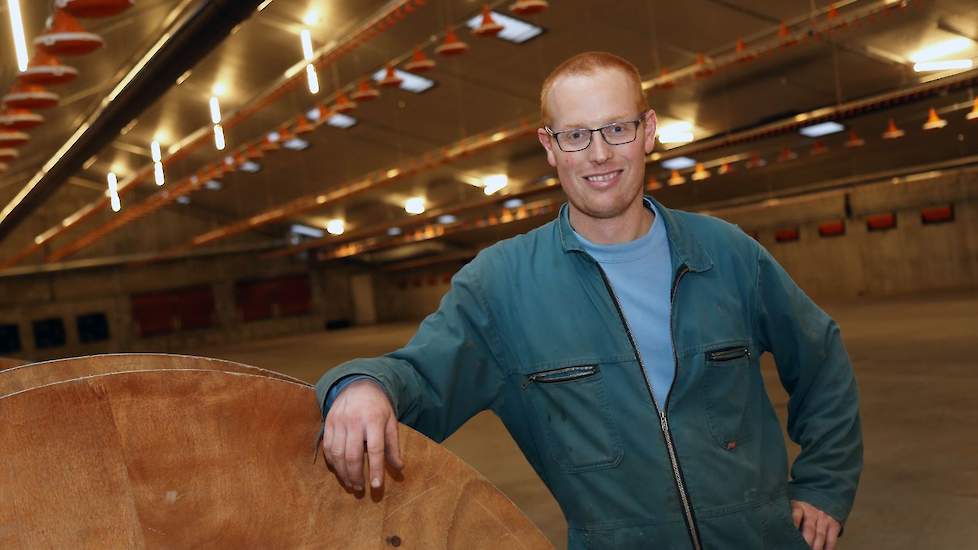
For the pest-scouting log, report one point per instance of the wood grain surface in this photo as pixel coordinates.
(10, 362)
(205, 458)
(30, 375)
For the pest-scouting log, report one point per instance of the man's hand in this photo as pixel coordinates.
(819, 529)
(361, 413)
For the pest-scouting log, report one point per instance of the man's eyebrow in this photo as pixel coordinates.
(611, 120)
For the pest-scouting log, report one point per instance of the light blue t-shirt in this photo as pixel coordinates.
(640, 273)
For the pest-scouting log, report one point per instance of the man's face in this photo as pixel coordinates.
(602, 181)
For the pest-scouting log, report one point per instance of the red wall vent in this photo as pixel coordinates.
(937, 214)
(881, 222)
(834, 228)
(786, 235)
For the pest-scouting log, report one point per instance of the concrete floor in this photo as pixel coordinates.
(917, 369)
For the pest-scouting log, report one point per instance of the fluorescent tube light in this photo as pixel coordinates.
(948, 65)
(340, 120)
(306, 231)
(822, 129)
(678, 163)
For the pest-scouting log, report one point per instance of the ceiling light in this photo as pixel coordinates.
(312, 79)
(822, 129)
(113, 183)
(212, 185)
(296, 144)
(948, 65)
(678, 163)
(17, 27)
(306, 40)
(941, 49)
(250, 167)
(340, 120)
(414, 205)
(409, 82)
(676, 132)
(311, 17)
(335, 227)
(514, 30)
(264, 5)
(446, 219)
(154, 149)
(183, 78)
(394, 231)
(215, 106)
(494, 183)
(513, 203)
(306, 231)
(219, 89)
(158, 173)
(219, 137)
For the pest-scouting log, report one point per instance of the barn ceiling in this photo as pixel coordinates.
(743, 77)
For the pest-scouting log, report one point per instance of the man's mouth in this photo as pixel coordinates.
(603, 178)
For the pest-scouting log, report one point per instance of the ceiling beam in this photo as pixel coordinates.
(199, 28)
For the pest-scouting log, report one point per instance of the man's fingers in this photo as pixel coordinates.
(832, 536)
(797, 512)
(808, 528)
(821, 523)
(327, 440)
(354, 457)
(375, 454)
(337, 449)
(393, 445)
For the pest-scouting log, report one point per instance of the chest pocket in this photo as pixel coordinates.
(726, 386)
(571, 412)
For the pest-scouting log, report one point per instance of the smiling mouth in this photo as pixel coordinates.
(603, 178)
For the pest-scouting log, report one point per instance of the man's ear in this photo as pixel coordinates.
(547, 141)
(651, 125)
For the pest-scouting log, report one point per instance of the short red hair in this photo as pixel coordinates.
(589, 63)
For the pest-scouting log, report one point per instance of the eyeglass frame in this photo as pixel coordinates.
(637, 122)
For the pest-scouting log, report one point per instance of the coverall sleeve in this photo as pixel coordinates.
(823, 405)
(448, 372)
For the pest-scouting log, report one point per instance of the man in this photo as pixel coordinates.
(620, 346)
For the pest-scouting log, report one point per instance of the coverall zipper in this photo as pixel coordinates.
(661, 412)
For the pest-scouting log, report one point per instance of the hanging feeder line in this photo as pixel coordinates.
(840, 112)
(422, 219)
(372, 181)
(805, 28)
(147, 171)
(140, 175)
(431, 232)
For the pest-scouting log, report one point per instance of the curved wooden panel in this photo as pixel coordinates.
(32, 375)
(194, 458)
(10, 362)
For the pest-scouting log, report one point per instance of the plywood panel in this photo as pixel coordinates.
(9, 363)
(196, 458)
(32, 375)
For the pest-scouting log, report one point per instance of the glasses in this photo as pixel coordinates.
(579, 139)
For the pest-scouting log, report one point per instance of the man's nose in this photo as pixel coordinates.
(599, 152)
